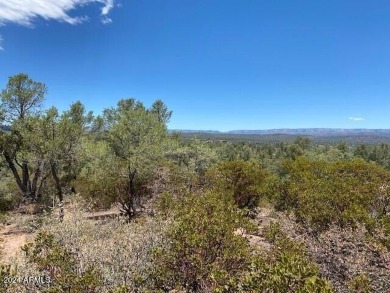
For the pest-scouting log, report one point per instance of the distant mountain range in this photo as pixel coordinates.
(319, 135)
(297, 131)
(353, 136)
(195, 131)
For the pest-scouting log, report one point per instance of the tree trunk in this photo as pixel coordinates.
(59, 189)
(11, 165)
(26, 178)
(41, 186)
(30, 190)
(57, 181)
(132, 191)
(35, 190)
(129, 202)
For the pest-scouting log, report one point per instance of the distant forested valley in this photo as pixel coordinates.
(118, 203)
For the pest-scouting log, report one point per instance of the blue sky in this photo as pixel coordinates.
(220, 65)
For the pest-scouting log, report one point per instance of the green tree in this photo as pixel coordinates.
(20, 100)
(21, 97)
(136, 136)
(303, 142)
(65, 138)
(362, 151)
(193, 158)
(39, 145)
(159, 109)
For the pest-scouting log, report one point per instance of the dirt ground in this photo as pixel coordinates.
(13, 237)
(11, 241)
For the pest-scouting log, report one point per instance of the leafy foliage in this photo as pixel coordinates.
(136, 136)
(244, 181)
(360, 283)
(204, 188)
(287, 269)
(202, 251)
(344, 193)
(21, 97)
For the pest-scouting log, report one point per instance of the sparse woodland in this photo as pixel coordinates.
(117, 203)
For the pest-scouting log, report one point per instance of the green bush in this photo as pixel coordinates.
(292, 269)
(9, 197)
(360, 284)
(6, 203)
(245, 181)
(286, 268)
(202, 251)
(60, 266)
(342, 193)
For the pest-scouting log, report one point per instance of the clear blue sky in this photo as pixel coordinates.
(219, 64)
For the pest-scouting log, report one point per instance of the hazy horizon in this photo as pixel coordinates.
(284, 128)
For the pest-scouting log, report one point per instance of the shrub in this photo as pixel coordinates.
(201, 250)
(98, 180)
(202, 253)
(120, 250)
(360, 284)
(244, 181)
(9, 199)
(343, 193)
(286, 268)
(60, 266)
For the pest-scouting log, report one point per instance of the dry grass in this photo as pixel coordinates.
(344, 255)
(119, 250)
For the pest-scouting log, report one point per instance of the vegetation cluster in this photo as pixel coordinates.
(188, 208)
